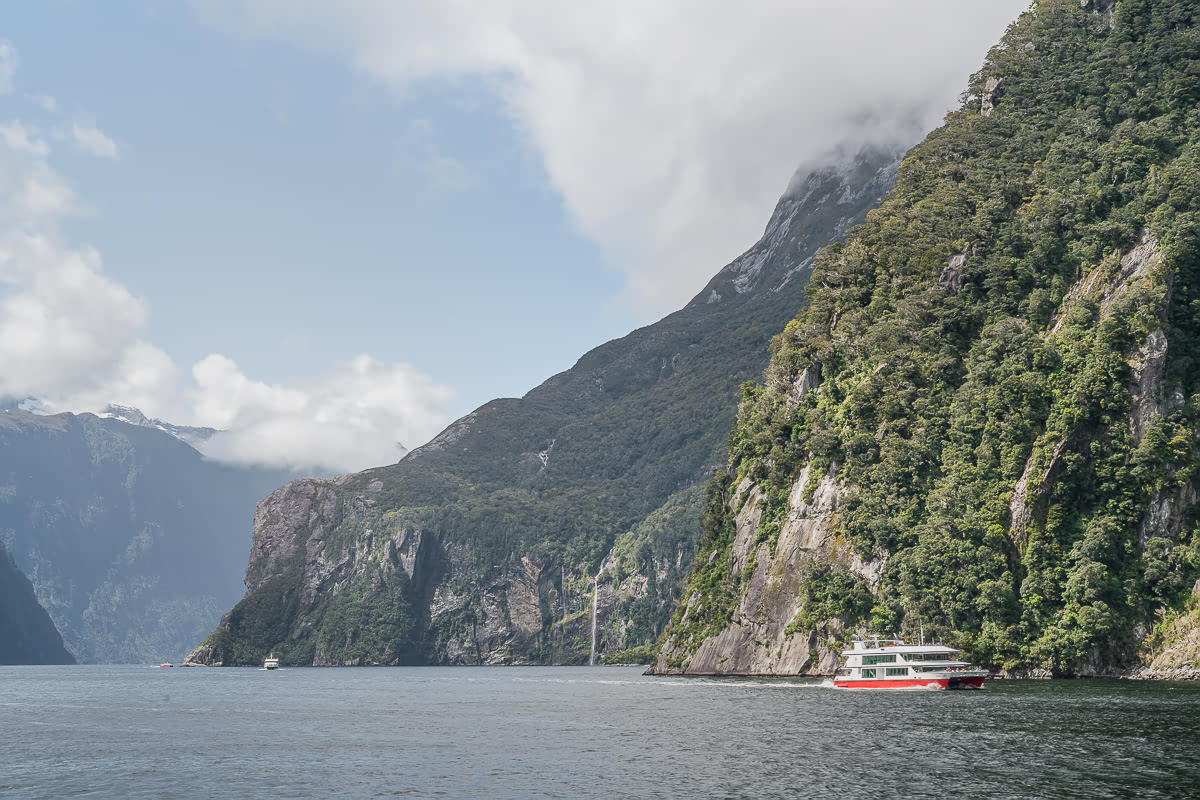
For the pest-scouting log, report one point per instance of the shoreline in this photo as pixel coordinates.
(1181, 674)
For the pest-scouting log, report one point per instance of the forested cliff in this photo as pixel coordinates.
(985, 419)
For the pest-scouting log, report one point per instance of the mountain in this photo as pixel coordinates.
(27, 634)
(494, 542)
(196, 437)
(132, 540)
(985, 420)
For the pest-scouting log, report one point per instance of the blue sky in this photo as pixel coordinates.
(333, 225)
(271, 205)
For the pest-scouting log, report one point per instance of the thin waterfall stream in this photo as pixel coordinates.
(595, 592)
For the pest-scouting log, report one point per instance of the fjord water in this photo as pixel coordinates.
(579, 732)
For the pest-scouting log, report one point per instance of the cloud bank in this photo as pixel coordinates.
(74, 338)
(361, 414)
(669, 128)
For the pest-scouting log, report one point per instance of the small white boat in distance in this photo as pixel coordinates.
(879, 663)
(271, 662)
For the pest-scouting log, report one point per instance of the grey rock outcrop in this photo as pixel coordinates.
(761, 638)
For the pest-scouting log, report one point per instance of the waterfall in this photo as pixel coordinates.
(595, 591)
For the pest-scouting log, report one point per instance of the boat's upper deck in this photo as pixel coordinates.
(870, 649)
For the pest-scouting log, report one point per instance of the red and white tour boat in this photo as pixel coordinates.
(879, 663)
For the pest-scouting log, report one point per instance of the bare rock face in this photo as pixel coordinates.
(298, 511)
(1148, 387)
(1018, 506)
(808, 381)
(990, 89)
(507, 621)
(203, 656)
(763, 637)
(1167, 515)
(1101, 8)
(951, 278)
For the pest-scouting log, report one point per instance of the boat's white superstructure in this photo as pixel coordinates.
(271, 662)
(888, 663)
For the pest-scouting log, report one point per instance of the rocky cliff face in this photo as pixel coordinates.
(27, 634)
(510, 533)
(132, 541)
(986, 421)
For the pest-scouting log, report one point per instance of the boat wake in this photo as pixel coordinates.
(744, 683)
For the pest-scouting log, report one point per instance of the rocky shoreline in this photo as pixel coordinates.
(1186, 673)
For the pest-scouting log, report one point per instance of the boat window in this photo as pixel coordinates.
(888, 659)
(868, 673)
(894, 671)
(843, 672)
(929, 669)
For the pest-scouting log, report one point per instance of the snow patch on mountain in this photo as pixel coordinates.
(196, 437)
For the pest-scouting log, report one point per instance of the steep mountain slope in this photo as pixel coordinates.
(27, 634)
(132, 540)
(986, 419)
(485, 544)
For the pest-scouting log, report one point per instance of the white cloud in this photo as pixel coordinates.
(43, 194)
(47, 103)
(90, 139)
(23, 140)
(68, 333)
(8, 65)
(669, 128)
(353, 418)
(31, 194)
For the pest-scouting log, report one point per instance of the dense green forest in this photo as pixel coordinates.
(1008, 354)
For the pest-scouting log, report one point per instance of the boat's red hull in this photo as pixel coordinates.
(972, 682)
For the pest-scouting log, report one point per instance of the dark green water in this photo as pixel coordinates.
(580, 732)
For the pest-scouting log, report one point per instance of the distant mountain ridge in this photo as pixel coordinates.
(196, 437)
(493, 542)
(132, 540)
